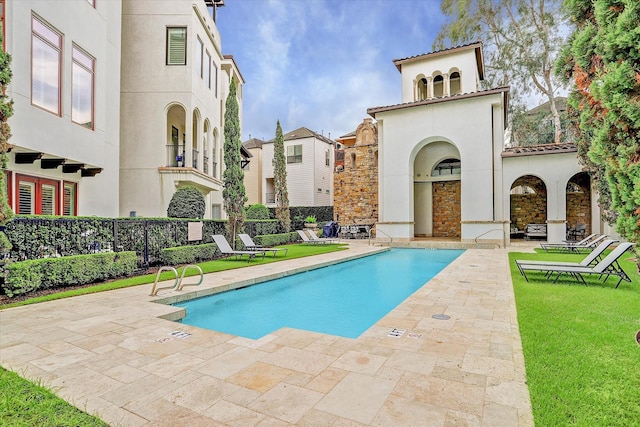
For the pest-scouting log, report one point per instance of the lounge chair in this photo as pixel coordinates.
(306, 240)
(249, 245)
(225, 248)
(588, 243)
(593, 258)
(609, 266)
(315, 237)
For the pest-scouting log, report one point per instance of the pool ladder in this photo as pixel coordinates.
(177, 285)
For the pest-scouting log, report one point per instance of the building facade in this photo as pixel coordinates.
(175, 82)
(66, 94)
(253, 171)
(310, 158)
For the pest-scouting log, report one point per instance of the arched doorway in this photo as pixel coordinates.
(528, 202)
(176, 118)
(579, 203)
(437, 191)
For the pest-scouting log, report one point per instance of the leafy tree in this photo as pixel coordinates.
(522, 39)
(280, 181)
(234, 193)
(187, 202)
(603, 59)
(6, 111)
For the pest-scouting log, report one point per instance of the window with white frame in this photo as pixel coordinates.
(176, 46)
(46, 65)
(82, 80)
(69, 199)
(215, 80)
(294, 153)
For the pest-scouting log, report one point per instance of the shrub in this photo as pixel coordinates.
(187, 202)
(258, 211)
(31, 275)
(188, 254)
(275, 239)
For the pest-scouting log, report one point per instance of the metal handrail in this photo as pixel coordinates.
(379, 231)
(180, 285)
(504, 236)
(155, 289)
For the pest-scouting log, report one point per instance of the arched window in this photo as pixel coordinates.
(422, 89)
(447, 167)
(455, 87)
(438, 86)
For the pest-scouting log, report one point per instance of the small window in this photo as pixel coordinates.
(454, 83)
(176, 46)
(447, 167)
(319, 190)
(327, 160)
(69, 199)
(82, 88)
(422, 89)
(199, 57)
(327, 191)
(207, 69)
(294, 154)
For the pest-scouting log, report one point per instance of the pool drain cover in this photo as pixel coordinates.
(441, 317)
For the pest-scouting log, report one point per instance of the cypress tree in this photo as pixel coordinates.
(603, 60)
(6, 111)
(234, 193)
(280, 181)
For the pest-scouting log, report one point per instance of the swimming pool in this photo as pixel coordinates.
(344, 299)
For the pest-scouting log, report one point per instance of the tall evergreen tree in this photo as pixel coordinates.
(603, 59)
(280, 181)
(6, 111)
(522, 39)
(234, 193)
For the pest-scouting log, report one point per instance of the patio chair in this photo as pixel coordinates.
(609, 266)
(588, 243)
(313, 236)
(225, 248)
(576, 233)
(307, 241)
(593, 258)
(249, 245)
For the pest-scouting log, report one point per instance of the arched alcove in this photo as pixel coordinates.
(528, 202)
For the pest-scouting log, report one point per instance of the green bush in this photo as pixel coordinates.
(31, 275)
(275, 239)
(258, 211)
(187, 202)
(188, 254)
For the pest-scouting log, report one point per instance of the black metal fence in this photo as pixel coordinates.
(41, 237)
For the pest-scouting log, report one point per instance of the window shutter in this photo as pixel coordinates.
(177, 45)
(26, 205)
(48, 200)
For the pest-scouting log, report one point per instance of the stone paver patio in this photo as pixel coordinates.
(113, 354)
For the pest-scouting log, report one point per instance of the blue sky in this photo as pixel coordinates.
(321, 63)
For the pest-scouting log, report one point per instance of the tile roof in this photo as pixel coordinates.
(535, 150)
(303, 132)
(253, 143)
(373, 110)
(475, 45)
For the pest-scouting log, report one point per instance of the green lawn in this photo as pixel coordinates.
(582, 361)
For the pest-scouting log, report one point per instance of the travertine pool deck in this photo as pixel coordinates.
(111, 354)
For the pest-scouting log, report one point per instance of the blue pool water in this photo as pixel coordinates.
(345, 299)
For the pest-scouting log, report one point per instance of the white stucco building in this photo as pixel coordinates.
(175, 81)
(66, 91)
(310, 158)
(443, 169)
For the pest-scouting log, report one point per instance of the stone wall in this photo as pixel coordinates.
(529, 208)
(446, 209)
(355, 185)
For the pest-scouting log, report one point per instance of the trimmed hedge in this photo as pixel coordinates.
(276, 239)
(188, 254)
(31, 275)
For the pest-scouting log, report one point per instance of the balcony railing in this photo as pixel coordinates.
(205, 164)
(175, 155)
(214, 169)
(194, 158)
